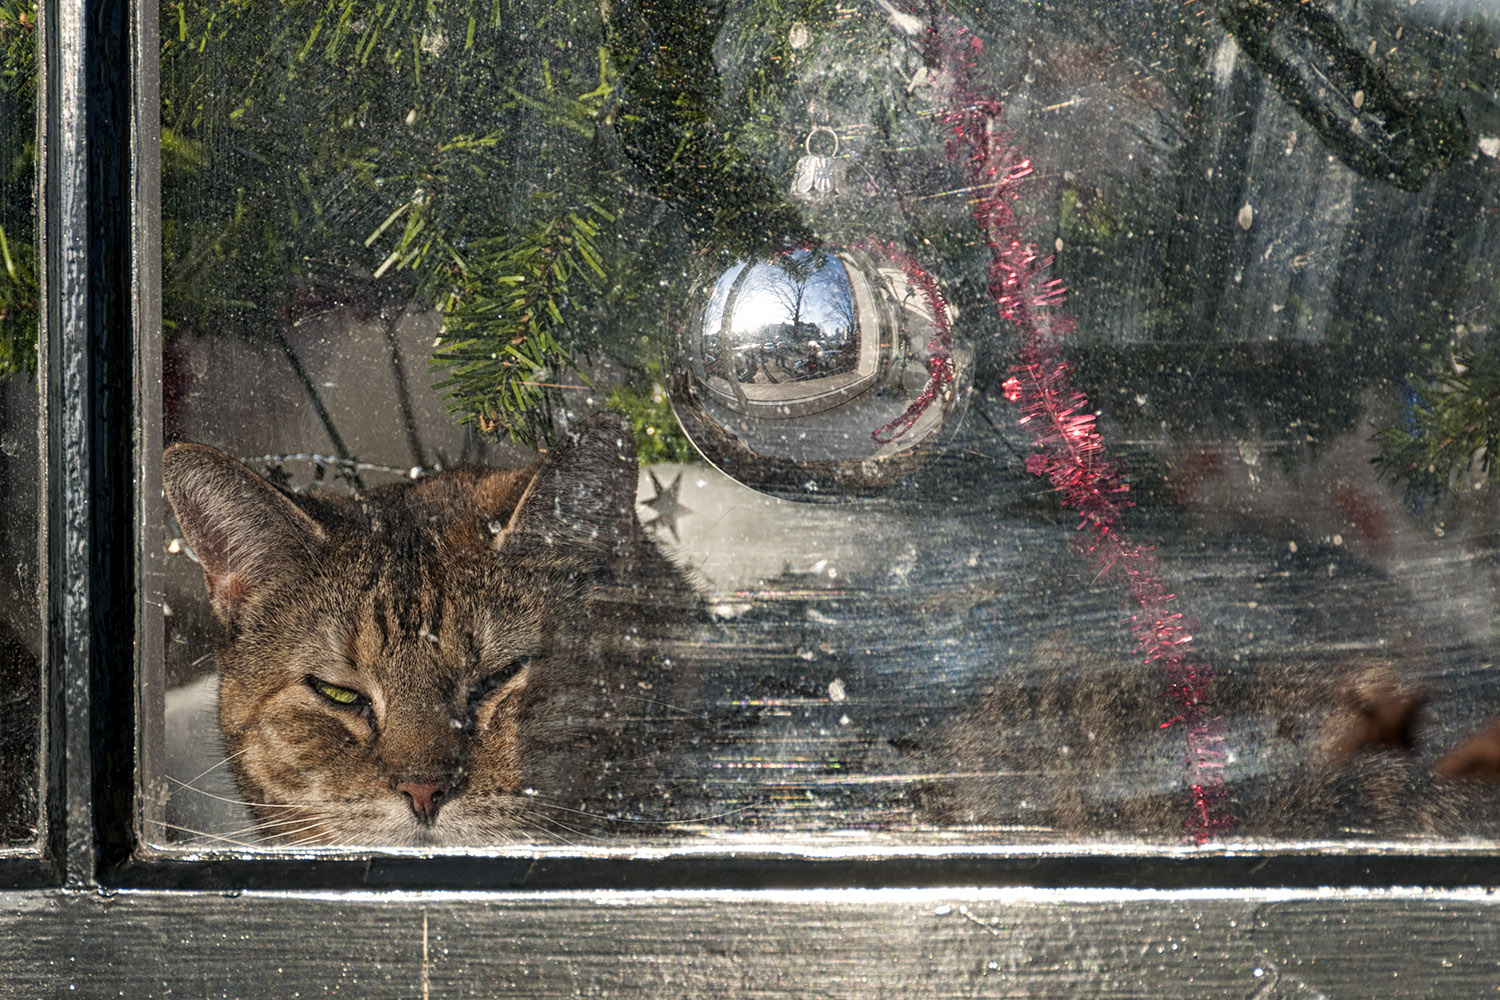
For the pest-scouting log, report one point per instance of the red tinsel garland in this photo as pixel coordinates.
(940, 347)
(1070, 452)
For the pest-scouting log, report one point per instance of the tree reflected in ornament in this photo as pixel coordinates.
(819, 372)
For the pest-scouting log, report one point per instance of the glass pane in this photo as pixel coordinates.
(1054, 423)
(20, 611)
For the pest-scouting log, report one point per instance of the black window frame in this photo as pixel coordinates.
(99, 379)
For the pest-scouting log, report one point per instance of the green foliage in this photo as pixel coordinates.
(385, 153)
(19, 315)
(658, 438)
(1098, 224)
(18, 305)
(292, 129)
(380, 155)
(505, 347)
(456, 154)
(1454, 425)
(680, 139)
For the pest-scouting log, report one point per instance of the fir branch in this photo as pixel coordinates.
(670, 128)
(505, 346)
(19, 303)
(1452, 427)
(509, 302)
(658, 438)
(275, 179)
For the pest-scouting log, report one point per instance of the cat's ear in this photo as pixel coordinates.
(242, 529)
(582, 499)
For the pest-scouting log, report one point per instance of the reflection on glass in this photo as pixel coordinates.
(789, 320)
(1284, 345)
(20, 613)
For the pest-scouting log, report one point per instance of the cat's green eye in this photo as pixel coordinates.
(334, 693)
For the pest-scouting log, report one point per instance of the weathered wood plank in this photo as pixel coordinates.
(924, 943)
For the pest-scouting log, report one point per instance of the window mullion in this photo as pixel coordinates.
(89, 428)
(68, 374)
(145, 235)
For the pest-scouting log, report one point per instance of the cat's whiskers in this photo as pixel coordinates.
(226, 838)
(301, 815)
(203, 774)
(319, 836)
(565, 828)
(530, 820)
(184, 786)
(601, 817)
(278, 827)
(537, 832)
(665, 704)
(319, 839)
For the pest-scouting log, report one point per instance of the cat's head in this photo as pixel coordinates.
(428, 663)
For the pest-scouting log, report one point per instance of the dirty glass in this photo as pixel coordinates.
(20, 611)
(1066, 422)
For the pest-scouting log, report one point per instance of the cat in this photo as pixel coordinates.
(1320, 750)
(450, 661)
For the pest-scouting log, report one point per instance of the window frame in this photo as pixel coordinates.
(98, 147)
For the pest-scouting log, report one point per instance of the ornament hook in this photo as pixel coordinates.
(807, 143)
(818, 176)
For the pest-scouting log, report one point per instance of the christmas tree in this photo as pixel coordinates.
(443, 172)
(547, 177)
(18, 287)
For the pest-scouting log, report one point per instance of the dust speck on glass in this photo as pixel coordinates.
(759, 422)
(20, 609)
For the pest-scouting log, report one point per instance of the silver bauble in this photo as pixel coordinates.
(818, 374)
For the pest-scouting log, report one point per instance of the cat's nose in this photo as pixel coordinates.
(425, 797)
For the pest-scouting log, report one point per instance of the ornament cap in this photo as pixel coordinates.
(819, 176)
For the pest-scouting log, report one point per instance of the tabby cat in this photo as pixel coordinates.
(449, 661)
(1318, 751)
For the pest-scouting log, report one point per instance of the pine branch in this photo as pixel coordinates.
(273, 178)
(658, 438)
(1452, 427)
(19, 315)
(679, 140)
(506, 346)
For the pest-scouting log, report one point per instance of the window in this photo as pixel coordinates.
(20, 586)
(915, 632)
